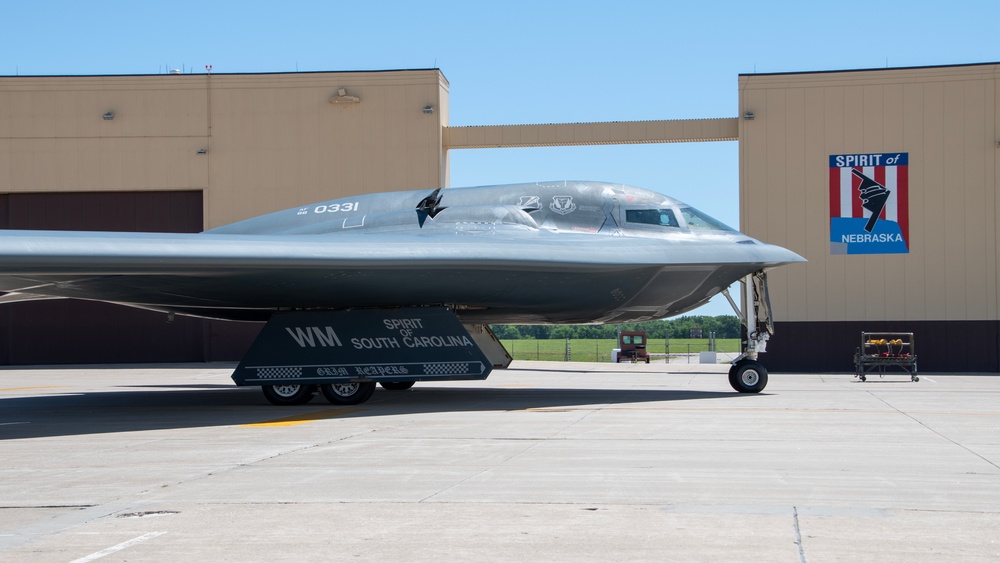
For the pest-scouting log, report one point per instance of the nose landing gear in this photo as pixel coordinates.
(747, 375)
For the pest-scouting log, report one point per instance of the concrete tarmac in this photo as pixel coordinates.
(543, 462)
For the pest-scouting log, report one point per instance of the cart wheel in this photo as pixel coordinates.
(915, 378)
(861, 377)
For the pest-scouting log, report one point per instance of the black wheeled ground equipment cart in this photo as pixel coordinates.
(881, 350)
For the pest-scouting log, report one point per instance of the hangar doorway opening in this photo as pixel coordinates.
(69, 331)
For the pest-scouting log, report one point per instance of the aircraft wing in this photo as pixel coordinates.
(509, 277)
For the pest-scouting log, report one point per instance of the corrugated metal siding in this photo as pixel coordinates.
(279, 143)
(946, 119)
(600, 133)
(273, 141)
(108, 164)
(44, 108)
(71, 331)
(941, 346)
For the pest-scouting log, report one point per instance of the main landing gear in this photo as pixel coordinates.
(285, 395)
(345, 354)
(351, 393)
(747, 375)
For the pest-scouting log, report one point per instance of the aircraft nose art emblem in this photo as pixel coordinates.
(562, 204)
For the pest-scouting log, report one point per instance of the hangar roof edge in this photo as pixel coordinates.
(219, 73)
(801, 72)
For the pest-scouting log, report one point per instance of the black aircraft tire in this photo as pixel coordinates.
(396, 385)
(288, 395)
(748, 376)
(348, 393)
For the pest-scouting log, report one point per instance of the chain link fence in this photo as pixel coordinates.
(600, 349)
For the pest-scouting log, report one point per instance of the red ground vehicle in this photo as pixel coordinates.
(632, 346)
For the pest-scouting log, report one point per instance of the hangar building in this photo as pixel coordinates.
(190, 152)
(184, 153)
(931, 137)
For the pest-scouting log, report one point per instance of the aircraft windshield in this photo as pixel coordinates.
(698, 221)
(662, 217)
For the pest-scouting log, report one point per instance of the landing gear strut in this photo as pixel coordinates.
(747, 375)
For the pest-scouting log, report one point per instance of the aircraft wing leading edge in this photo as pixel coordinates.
(547, 278)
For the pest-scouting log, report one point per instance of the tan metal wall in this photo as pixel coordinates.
(269, 141)
(53, 137)
(947, 119)
(577, 134)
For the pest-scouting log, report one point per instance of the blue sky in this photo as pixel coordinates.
(522, 62)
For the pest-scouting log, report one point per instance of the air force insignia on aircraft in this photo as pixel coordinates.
(529, 202)
(562, 204)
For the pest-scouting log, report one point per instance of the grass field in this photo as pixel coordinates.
(599, 350)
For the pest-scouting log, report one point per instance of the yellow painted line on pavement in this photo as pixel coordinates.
(30, 388)
(303, 418)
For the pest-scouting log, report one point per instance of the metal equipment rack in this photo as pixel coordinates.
(880, 350)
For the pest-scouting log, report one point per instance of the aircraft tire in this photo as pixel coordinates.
(748, 376)
(396, 385)
(353, 393)
(288, 395)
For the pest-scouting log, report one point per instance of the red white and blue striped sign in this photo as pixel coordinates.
(869, 203)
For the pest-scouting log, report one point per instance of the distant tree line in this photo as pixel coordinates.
(724, 326)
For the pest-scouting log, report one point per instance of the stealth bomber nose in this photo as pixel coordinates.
(779, 256)
(768, 255)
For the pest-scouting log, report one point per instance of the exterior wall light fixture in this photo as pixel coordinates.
(343, 98)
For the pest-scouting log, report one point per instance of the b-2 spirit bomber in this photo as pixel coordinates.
(394, 288)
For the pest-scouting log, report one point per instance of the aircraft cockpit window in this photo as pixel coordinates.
(698, 221)
(661, 217)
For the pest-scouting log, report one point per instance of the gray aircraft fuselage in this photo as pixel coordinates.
(558, 252)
